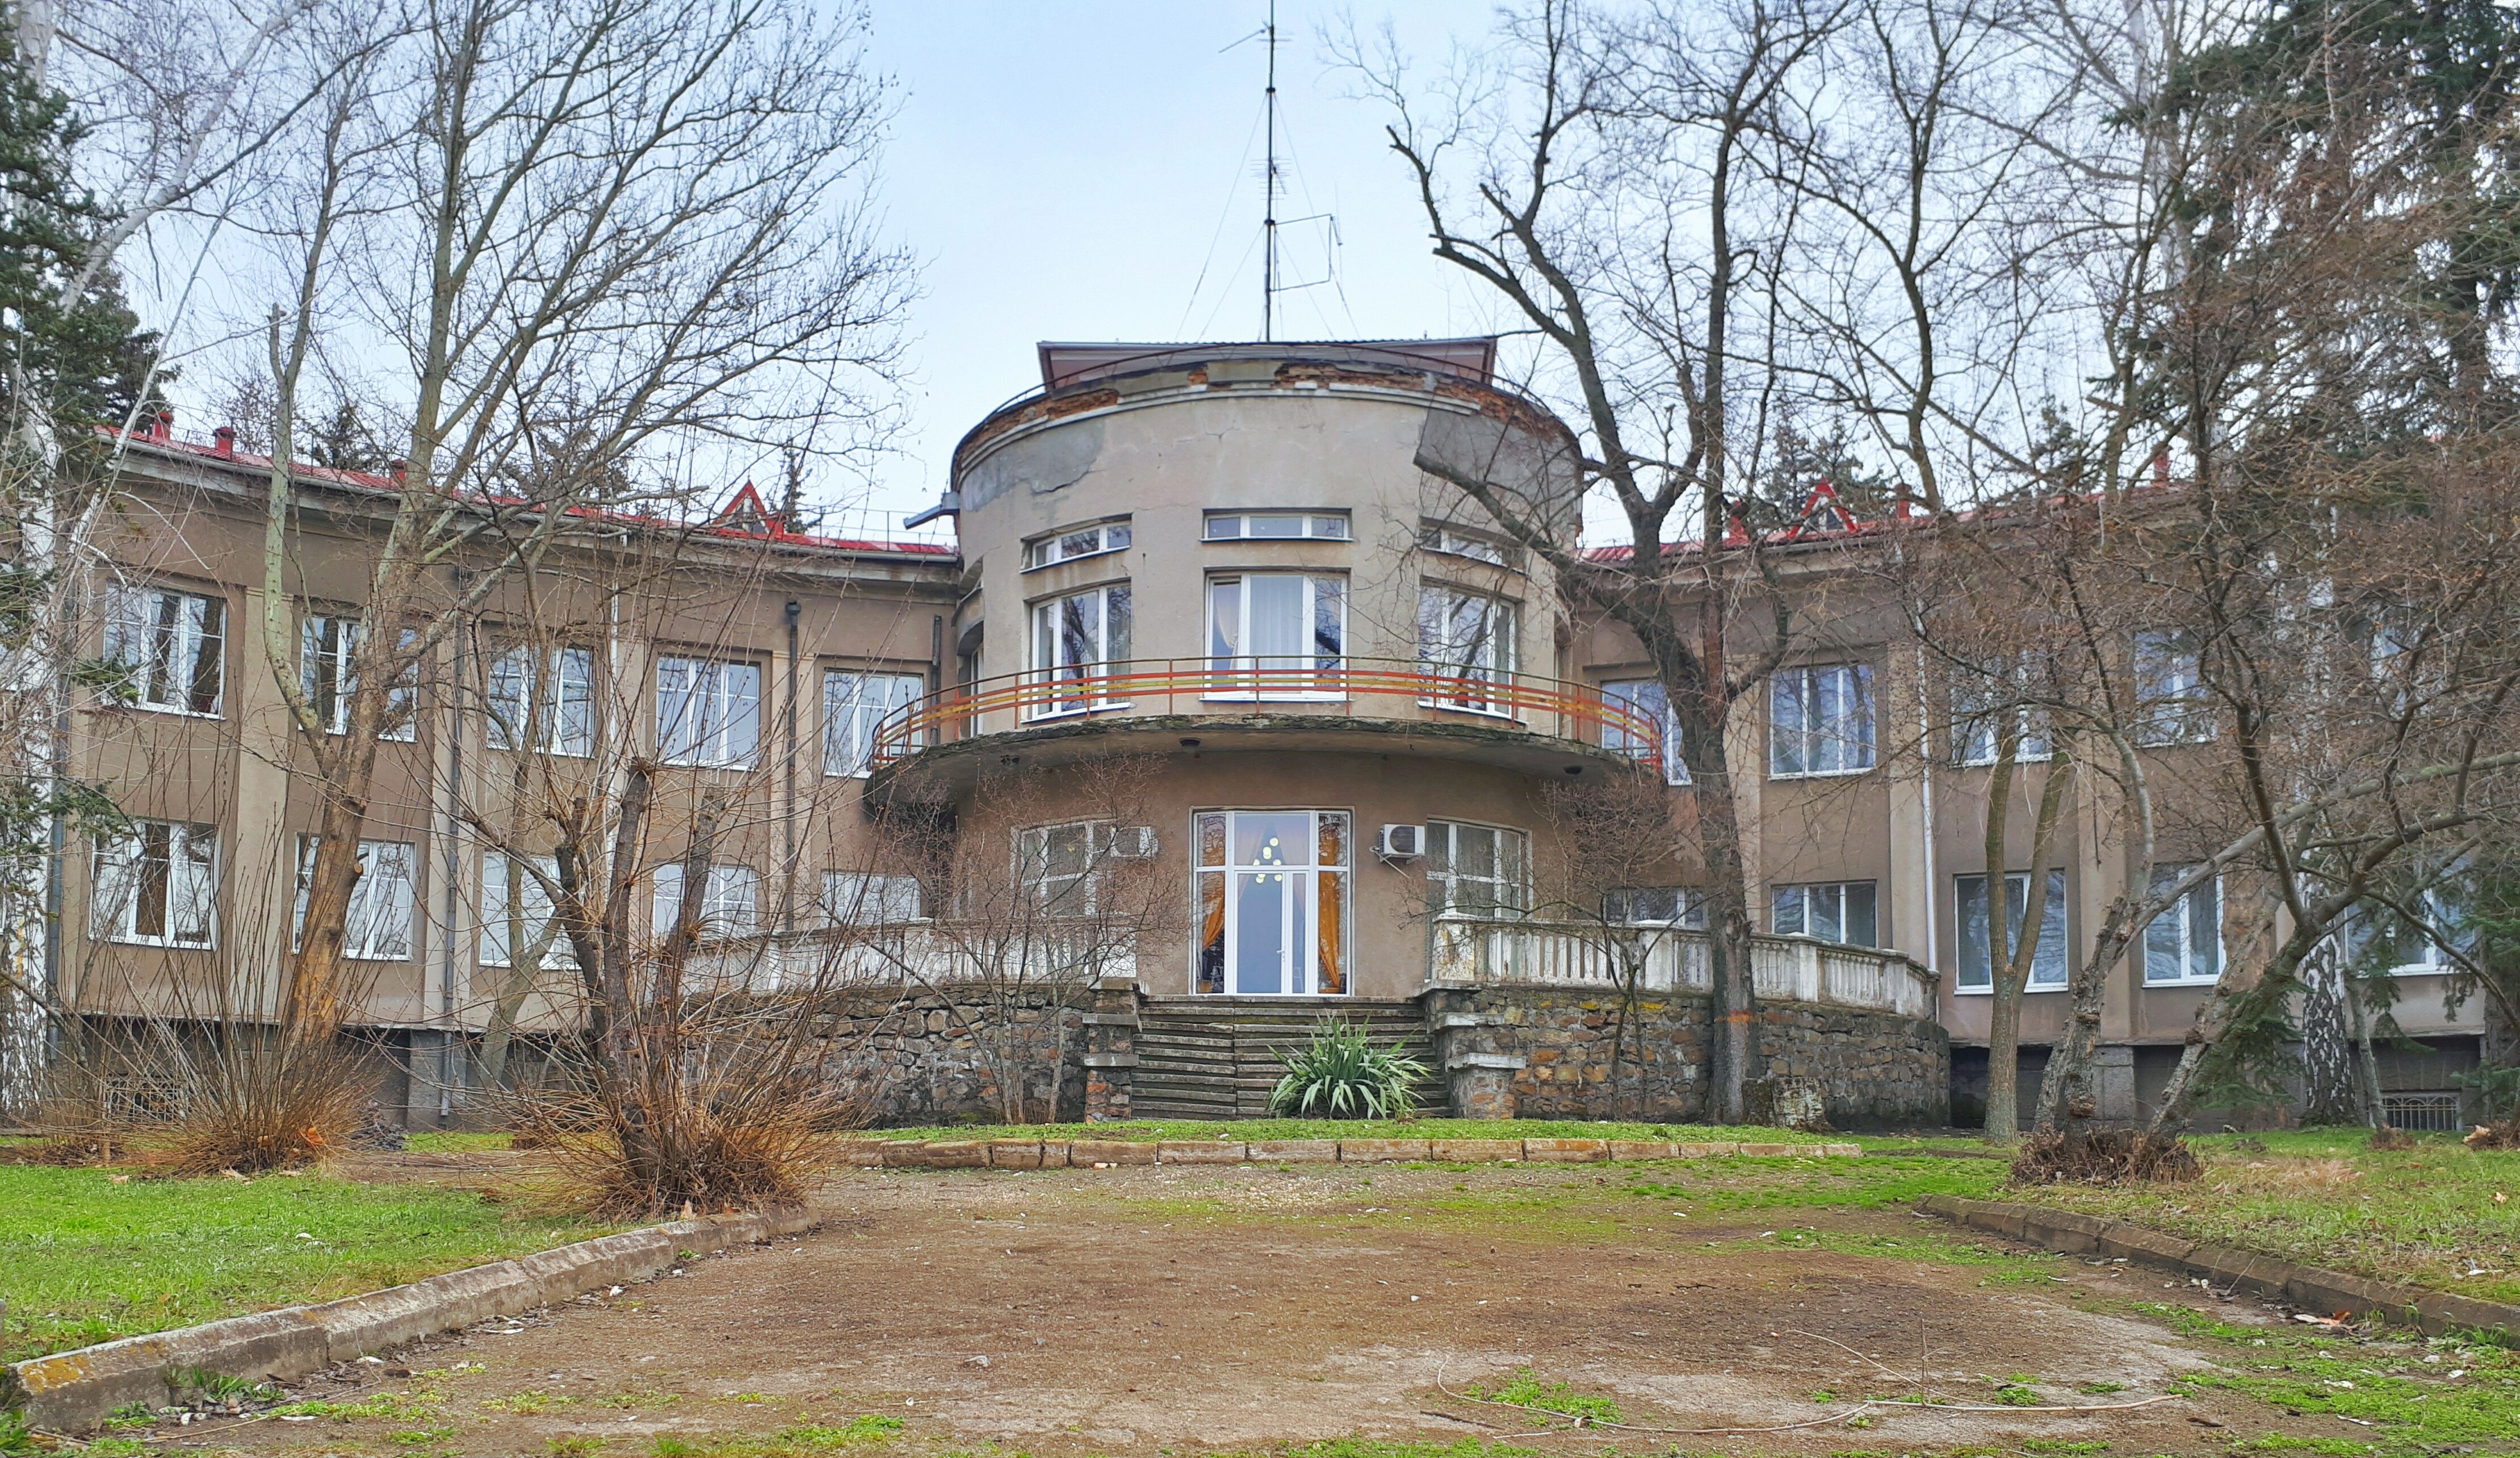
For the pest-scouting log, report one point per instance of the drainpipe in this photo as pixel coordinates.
(1925, 772)
(788, 900)
(452, 863)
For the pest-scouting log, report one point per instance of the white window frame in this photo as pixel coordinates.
(1508, 886)
(1489, 656)
(1979, 703)
(1476, 546)
(1682, 906)
(498, 882)
(2050, 965)
(188, 865)
(1311, 674)
(328, 654)
(1062, 893)
(2179, 918)
(723, 695)
(730, 901)
(1813, 745)
(1648, 697)
(153, 631)
(2171, 703)
(856, 898)
(855, 700)
(1806, 893)
(1300, 526)
(385, 902)
(562, 678)
(1076, 543)
(2436, 961)
(1106, 611)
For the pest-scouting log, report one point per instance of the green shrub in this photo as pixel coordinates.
(1339, 1074)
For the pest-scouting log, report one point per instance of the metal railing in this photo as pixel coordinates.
(1667, 960)
(1279, 686)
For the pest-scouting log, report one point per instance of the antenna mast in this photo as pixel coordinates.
(1269, 183)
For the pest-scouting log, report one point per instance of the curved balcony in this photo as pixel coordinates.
(1381, 705)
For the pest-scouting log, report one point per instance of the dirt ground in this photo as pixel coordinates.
(1198, 1309)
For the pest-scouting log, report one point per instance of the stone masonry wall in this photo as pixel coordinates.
(1547, 1053)
(920, 1058)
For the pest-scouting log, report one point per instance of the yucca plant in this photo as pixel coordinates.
(1339, 1074)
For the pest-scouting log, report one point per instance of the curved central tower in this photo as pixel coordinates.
(1239, 571)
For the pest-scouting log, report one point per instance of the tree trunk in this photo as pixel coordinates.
(1732, 1046)
(2332, 1092)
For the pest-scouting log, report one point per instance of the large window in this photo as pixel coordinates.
(379, 926)
(1075, 640)
(1054, 866)
(2171, 703)
(156, 884)
(1076, 542)
(853, 898)
(853, 703)
(1276, 526)
(1648, 700)
(517, 921)
(1468, 637)
(544, 700)
(1831, 910)
(1983, 707)
(1478, 870)
(1276, 635)
(1819, 720)
(1272, 888)
(170, 647)
(1655, 906)
(327, 653)
(709, 713)
(730, 901)
(2046, 961)
(2184, 942)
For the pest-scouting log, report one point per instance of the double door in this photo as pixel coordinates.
(1271, 894)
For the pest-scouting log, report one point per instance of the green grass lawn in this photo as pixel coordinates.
(84, 1259)
(2427, 1215)
(1257, 1130)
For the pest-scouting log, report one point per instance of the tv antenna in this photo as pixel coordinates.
(1268, 188)
(1273, 182)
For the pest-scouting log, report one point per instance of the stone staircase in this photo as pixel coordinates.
(1217, 1057)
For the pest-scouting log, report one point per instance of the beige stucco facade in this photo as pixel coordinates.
(1357, 711)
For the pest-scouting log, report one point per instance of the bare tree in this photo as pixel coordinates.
(1611, 183)
(605, 242)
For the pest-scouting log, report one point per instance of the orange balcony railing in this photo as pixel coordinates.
(1279, 687)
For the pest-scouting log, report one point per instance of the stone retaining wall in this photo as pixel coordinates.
(1536, 1052)
(927, 1057)
(1101, 1154)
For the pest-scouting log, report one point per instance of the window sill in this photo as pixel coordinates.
(2423, 970)
(155, 945)
(1082, 557)
(2052, 986)
(1821, 773)
(166, 710)
(1449, 706)
(738, 767)
(1086, 711)
(2181, 982)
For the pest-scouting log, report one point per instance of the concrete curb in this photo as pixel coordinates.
(70, 1391)
(2310, 1287)
(1096, 1154)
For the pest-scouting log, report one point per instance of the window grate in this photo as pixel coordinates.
(2430, 1111)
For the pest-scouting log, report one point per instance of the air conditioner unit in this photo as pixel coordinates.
(1401, 842)
(1131, 842)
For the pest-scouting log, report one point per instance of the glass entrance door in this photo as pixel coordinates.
(1271, 894)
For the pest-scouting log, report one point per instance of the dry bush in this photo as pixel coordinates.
(260, 1102)
(2389, 1137)
(200, 1099)
(2083, 1155)
(2504, 1135)
(737, 1123)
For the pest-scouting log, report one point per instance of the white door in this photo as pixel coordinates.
(1272, 891)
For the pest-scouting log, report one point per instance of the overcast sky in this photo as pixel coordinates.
(1088, 169)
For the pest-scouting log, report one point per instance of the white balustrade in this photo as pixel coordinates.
(1664, 959)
